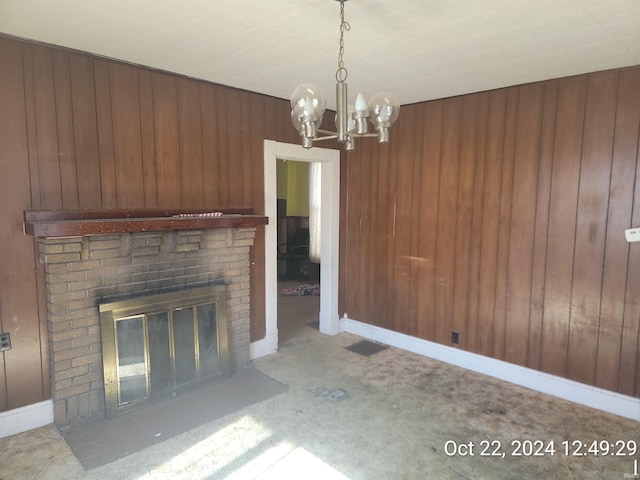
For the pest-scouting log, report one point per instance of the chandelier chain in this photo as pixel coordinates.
(341, 73)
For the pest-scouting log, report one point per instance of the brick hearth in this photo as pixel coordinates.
(83, 272)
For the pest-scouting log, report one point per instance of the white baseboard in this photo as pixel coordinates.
(598, 398)
(264, 347)
(26, 418)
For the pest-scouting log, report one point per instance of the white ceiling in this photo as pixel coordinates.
(417, 49)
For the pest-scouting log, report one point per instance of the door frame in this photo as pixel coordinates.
(330, 238)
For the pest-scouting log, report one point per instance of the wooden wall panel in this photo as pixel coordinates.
(490, 220)
(358, 257)
(629, 365)
(464, 210)
(614, 307)
(190, 134)
(209, 144)
(368, 262)
(246, 150)
(470, 340)
(528, 125)
(46, 138)
(149, 170)
(21, 368)
(104, 124)
(542, 205)
(562, 224)
(518, 224)
(30, 114)
(223, 167)
(415, 212)
(377, 239)
(127, 137)
(256, 129)
(429, 203)
(591, 222)
(446, 223)
(165, 120)
(504, 227)
(401, 232)
(85, 133)
(256, 121)
(628, 360)
(64, 121)
(234, 146)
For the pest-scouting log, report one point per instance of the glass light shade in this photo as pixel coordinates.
(308, 100)
(307, 104)
(384, 109)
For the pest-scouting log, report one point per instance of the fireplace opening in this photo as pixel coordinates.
(156, 346)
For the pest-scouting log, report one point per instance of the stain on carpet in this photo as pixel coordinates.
(366, 348)
(331, 395)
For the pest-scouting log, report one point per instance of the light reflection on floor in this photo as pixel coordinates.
(256, 456)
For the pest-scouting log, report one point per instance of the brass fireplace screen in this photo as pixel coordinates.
(157, 345)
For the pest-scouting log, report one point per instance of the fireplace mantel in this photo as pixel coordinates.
(73, 223)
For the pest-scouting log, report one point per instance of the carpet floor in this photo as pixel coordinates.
(391, 415)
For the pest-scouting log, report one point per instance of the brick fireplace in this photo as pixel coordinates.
(84, 271)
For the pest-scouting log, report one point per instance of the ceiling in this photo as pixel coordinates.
(417, 49)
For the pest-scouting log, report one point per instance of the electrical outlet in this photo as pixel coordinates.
(632, 234)
(454, 337)
(5, 342)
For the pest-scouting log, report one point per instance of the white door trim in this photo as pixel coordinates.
(329, 248)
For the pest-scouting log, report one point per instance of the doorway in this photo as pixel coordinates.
(329, 220)
(298, 267)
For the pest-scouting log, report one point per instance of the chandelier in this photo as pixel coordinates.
(308, 104)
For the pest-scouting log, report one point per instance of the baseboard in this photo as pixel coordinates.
(26, 418)
(598, 398)
(264, 347)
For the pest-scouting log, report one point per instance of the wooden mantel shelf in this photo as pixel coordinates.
(77, 223)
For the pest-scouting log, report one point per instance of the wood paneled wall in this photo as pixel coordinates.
(501, 215)
(82, 132)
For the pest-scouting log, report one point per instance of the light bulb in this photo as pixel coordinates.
(360, 115)
(361, 104)
(295, 120)
(308, 100)
(384, 108)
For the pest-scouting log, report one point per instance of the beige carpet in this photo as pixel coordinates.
(390, 415)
